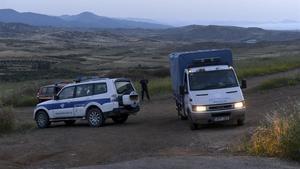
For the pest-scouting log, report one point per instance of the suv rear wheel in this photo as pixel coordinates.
(42, 119)
(120, 119)
(95, 117)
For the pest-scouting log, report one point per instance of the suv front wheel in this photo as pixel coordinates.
(95, 117)
(42, 119)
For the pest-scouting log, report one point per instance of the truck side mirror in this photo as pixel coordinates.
(181, 90)
(244, 84)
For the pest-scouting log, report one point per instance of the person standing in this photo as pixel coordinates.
(144, 86)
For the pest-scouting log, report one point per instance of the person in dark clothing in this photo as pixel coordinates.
(56, 89)
(144, 86)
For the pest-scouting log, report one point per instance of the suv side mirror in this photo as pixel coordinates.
(244, 84)
(56, 97)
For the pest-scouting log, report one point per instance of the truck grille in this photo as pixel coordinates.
(220, 107)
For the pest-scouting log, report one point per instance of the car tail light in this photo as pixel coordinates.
(134, 97)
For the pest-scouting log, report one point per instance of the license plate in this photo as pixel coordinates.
(222, 118)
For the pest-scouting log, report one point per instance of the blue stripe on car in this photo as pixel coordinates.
(74, 104)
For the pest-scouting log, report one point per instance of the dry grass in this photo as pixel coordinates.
(278, 135)
(269, 65)
(7, 120)
(279, 82)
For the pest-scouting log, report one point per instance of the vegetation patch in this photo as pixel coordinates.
(7, 120)
(279, 82)
(264, 66)
(278, 135)
(156, 86)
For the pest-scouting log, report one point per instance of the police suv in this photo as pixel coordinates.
(93, 100)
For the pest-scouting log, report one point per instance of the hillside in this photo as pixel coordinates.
(83, 20)
(224, 34)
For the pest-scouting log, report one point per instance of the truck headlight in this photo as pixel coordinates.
(199, 108)
(239, 105)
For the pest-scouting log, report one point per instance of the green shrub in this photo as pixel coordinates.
(20, 95)
(157, 86)
(279, 82)
(278, 135)
(263, 66)
(7, 120)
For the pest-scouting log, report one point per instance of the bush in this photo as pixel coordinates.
(279, 135)
(7, 120)
(20, 96)
(157, 86)
(279, 82)
(263, 66)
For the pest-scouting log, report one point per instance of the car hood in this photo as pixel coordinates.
(216, 96)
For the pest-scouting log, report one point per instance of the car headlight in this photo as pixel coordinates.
(199, 108)
(239, 105)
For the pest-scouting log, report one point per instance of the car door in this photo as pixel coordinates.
(83, 95)
(65, 103)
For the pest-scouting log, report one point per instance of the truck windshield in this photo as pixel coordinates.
(212, 80)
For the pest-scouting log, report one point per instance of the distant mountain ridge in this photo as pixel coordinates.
(82, 20)
(225, 34)
(193, 33)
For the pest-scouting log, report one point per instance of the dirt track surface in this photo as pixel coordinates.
(196, 162)
(155, 132)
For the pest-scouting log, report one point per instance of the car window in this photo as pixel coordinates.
(84, 90)
(43, 91)
(124, 87)
(50, 91)
(67, 93)
(100, 88)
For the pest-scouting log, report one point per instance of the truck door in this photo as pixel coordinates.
(186, 95)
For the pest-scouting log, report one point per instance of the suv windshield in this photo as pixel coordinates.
(212, 80)
(124, 87)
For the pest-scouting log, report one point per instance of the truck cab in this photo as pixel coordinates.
(208, 88)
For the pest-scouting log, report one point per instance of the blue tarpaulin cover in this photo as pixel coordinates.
(183, 60)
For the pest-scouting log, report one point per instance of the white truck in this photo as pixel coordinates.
(206, 88)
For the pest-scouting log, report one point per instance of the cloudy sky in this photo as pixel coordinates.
(172, 11)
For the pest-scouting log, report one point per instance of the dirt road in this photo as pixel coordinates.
(196, 162)
(155, 132)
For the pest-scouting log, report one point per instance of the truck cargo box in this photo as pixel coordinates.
(181, 61)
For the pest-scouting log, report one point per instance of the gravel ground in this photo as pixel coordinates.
(155, 135)
(199, 162)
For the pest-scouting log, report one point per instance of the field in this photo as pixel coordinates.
(51, 53)
(33, 57)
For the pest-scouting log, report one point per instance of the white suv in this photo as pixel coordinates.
(94, 100)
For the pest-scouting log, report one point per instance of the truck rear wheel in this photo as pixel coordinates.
(182, 117)
(240, 122)
(194, 126)
(95, 117)
(120, 119)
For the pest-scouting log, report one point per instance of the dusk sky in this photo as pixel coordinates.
(171, 11)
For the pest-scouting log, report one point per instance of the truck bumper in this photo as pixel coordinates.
(127, 110)
(217, 117)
